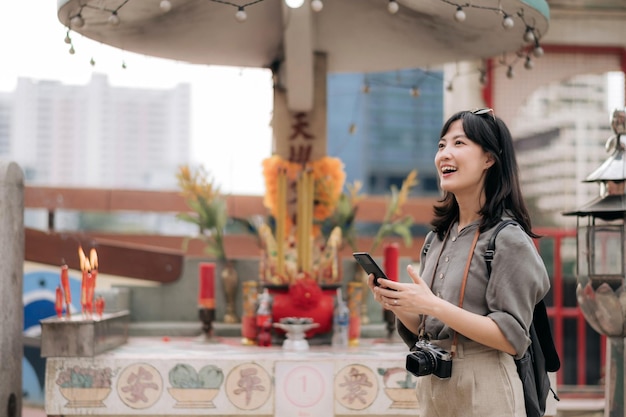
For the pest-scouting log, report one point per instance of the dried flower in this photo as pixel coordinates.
(208, 207)
(394, 223)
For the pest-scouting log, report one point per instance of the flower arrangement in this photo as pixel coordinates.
(209, 213)
(322, 181)
(328, 176)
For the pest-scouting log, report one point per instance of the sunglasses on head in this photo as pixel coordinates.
(480, 112)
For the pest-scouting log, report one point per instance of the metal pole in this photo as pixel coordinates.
(11, 277)
(614, 385)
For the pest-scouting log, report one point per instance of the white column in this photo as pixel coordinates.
(11, 276)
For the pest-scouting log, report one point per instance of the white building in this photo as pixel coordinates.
(98, 135)
(559, 138)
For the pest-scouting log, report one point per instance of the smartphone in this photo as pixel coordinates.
(369, 265)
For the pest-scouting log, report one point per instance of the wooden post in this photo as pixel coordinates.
(11, 278)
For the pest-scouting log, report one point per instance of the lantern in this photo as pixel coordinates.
(601, 259)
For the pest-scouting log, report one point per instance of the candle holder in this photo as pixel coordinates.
(296, 328)
(207, 316)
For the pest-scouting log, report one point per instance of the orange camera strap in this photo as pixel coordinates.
(463, 284)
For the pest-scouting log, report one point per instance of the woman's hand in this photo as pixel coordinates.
(404, 298)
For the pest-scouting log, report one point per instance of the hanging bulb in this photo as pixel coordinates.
(393, 7)
(509, 72)
(529, 36)
(72, 51)
(77, 21)
(538, 51)
(508, 22)
(365, 89)
(165, 6)
(114, 19)
(459, 15)
(294, 4)
(352, 129)
(123, 65)
(415, 92)
(241, 15)
(483, 77)
(528, 64)
(67, 39)
(450, 87)
(92, 62)
(317, 5)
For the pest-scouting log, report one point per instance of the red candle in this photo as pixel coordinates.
(58, 304)
(391, 255)
(206, 285)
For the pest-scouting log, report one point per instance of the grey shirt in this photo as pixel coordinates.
(518, 281)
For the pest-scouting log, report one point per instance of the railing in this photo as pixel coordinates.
(581, 349)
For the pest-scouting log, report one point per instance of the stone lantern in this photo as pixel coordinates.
(601, 261)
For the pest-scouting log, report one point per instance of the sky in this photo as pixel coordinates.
(231, 107)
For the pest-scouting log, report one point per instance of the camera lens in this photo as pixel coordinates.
(426, 363)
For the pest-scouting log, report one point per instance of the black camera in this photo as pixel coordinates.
(427, 359)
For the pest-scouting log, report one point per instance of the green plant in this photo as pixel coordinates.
(208, 208)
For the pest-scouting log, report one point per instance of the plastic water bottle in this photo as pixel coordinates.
(341, 321)
(264, 319)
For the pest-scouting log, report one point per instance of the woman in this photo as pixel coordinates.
(453, 303)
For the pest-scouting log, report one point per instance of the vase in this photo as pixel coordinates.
(230, 280)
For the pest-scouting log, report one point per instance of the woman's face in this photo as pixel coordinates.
(461, 163)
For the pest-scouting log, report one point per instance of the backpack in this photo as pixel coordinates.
(541, 356)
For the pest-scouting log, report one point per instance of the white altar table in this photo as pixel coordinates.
(187, 377)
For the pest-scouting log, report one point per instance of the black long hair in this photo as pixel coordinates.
(502, 189)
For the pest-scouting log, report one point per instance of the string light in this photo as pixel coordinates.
(165, 6)
(531, 35)
(528, 64)
(114, 19)
(294, 4)
(460, 15)
(415, 92)
(77, 21)
(393, 7)
(509, 72)
(508, 22)
(317, 5)
(241, 15)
